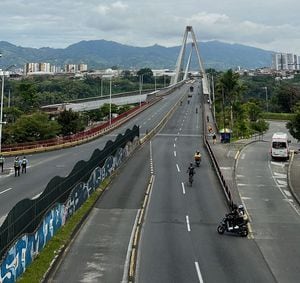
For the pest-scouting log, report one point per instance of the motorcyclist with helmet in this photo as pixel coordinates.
(235, 217)
(197, 157)
(191, 170)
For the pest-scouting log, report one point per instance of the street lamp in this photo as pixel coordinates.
(1, 108)
(267, 102)
(141, 79)
(110, 101)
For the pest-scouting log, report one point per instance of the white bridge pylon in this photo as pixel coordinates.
(179, 63)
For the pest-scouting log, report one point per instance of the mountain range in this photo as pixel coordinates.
(99, 54)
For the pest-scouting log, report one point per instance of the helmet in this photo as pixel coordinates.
(198, 151)
(191, 164)
(241, 207)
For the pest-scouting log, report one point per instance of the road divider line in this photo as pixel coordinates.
(2, 192)
(198, 272)
(177, 168)
(188, 223)
(175, 153)
(183, 188)
(174, 144)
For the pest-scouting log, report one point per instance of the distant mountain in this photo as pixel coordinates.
(103, 54)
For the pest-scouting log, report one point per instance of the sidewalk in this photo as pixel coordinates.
(225, 154)
(294, 176)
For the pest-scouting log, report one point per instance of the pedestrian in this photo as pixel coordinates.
(214, 138)
(1, 162)
(17, 166)
(24, 164)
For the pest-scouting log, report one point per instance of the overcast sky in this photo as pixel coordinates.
(268, 24)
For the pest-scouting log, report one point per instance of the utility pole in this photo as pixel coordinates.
(110, 101)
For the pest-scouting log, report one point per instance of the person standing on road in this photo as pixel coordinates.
(1, 162)
(17, 166)
(24, 164)
(214, 138)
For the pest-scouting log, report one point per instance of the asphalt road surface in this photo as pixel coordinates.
(262, 184)
(179, 242)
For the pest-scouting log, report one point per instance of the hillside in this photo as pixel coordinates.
(103, 54)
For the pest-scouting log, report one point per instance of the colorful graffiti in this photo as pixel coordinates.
(27, 247)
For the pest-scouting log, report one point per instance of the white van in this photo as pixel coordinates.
(280, 146)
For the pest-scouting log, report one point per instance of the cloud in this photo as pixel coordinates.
(141, 23)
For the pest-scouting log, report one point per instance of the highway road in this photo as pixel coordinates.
(44, 166)
(262, 184)
(179, 242)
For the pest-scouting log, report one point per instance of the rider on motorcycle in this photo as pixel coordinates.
(235, 217)
(197, 156)
(191, 169)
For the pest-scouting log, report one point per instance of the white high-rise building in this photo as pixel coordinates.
(280, 61)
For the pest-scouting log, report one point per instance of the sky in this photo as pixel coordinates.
(267, 24)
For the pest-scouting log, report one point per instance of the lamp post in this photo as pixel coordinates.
(141, 80)
(110, 101)
(267, 102)
(1, 108)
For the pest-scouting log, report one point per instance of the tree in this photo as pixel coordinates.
(70, 122)
(28, 94)
(294, 124)
(31, 128)
(286, 97)
(146, 73)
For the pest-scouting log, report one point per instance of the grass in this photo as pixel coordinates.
(37, 269)
(277, 116)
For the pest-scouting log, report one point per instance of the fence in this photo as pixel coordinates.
(32, 222)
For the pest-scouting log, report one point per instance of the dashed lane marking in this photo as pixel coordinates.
(188, 223)
(177, 168)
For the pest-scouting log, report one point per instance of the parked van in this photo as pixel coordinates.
(280, 146)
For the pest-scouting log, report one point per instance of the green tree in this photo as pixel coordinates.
(254, 111)
(31, 128)
(70, 122)
(28, 95)
(104, 109)
(146, 73)
(286, 96)
(294, 124)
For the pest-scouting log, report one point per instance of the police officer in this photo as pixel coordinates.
(24, 164)
(1, 162)
(17, 166)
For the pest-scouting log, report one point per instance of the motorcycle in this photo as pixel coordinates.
(240, 228)
(197, 162)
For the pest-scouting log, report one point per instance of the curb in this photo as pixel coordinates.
(289, 178)
(138, 230)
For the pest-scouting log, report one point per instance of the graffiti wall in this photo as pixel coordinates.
(26, 248)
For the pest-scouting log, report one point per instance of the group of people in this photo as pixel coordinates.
(20, 165)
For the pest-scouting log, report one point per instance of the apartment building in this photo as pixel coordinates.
(285, 62)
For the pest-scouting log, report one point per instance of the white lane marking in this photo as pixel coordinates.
(278, 164)
(225, 168)
(174, 145)
(177, 168)
(175, 153)
(281, 182)
(245, 198)
(287, 193)
(251, 185)
(36, 196)
(198, 272)
(180, 129)
(2, 192)
(243, 156)
(285, 197)
(151, 159)
(240, 176)
(176, 139)
(183, 189)
(236, 155)
(279, 175)
(188, 223)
